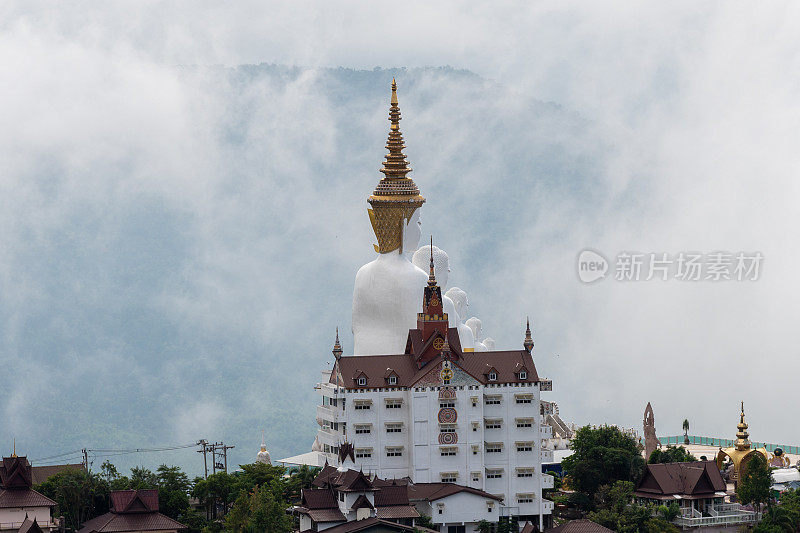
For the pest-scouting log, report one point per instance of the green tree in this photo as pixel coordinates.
(671, 454)
(755, 484)
(263, 509)
(173, 491)
(484, 526)
(617, 511)
(79, 495)
(686, 431)
(602, 456)
(220, 488)
(425, 521)
(108, 471)
(143, 478)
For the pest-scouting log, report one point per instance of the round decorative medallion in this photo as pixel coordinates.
(448, 438)
(434, 301)
(438, 343)
(447, 415)
(447, 393)
(446, 374)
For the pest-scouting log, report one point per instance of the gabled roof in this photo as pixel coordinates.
(318, 498)
(134, 501)
(131, 523)
(24, 498)
(693, 479)
(40, 474)
(29, 526)
(373, 524)
(436, 491)
(362, 502)
(15, 473)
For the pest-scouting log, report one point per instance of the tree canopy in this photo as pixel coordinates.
(671, 454)
(602, 456)
(755, 482)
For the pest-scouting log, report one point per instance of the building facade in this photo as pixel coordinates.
(439, 414)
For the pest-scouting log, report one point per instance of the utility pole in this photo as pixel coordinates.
(85, 459)
(204, 444)
(219, 456)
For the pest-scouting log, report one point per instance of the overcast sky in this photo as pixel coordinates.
(151, 229)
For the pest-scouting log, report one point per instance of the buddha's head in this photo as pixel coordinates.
(460, 300)
(489, 343)
(441, 263)
(475, 325)
(395, 202)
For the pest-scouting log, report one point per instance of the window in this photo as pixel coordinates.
(362, 404)
(524, 472)
(474, 400)
(449, 477)
(524, 422)
(523, 375)
(341, 496)
(475, 449)
(492, 376)
(362, 381)
(494, 474)
(394, 427)
(448, 403)
(448, 452)
(393, 380)
(363, 453)
(524, 446)
(494, 447)
(476, 477)
(475, 426)
(496, 423)
(394, 403)
(524, 498)
(396, 451)
(363, 429)
(492, 400)
(524, 398)
(447, 428)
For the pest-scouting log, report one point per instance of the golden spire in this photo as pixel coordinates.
(431, 276)
(528, 344)
(396, 197)
(742, 436)
(337, 347)
(14, 452)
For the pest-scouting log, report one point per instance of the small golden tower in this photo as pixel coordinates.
(741, 452)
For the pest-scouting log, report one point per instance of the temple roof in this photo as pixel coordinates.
(688, 480)
(132, 511)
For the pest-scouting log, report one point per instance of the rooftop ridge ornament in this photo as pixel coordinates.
(337, 347)
(528, 344)
(432, 275)
(742, 436)
(396, 196)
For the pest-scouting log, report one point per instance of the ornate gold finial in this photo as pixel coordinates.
(396, 197)
(742, 436)
(14, 449)
(337, 347)
(528, 344)
(431, 275)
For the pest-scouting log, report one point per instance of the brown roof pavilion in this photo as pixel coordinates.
(132, 511)
(693, 480)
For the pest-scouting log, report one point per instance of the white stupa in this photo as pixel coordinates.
(263, 454)
(386, 294)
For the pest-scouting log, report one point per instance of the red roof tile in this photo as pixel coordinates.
(436, 491)
(699, 478)
(580, 526)
(24, 498)
(397, 511)
(131, 523)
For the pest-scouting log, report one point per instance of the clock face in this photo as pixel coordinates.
(434, 301)
(438, 344)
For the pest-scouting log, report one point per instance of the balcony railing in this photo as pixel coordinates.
(547, 481)
(16, 525)
(725, 443)
(721, 514)
(325, 412)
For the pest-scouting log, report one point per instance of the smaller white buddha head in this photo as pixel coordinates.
(441, 263)
(412, 231)
(475, 325)
(489, 343)
(459, 298)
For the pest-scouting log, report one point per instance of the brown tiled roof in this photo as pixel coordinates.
(131, 523)
(391, 495)
(694, 479)
(580, 526)
(362, 502)
(396, 511)
(373, 523)
(30, 526)
(507, 364)
(324, 475)
(436, 491)
(527, 528)
(15, 473)
(40, 474)
(23, 498)
(326, 515)
(319, 499)
(134, 501)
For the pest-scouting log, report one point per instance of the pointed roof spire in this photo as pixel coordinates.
(742, 436)
(395, 165)
(14, 450)
(528, 344)
(431, 275)
(337, 347)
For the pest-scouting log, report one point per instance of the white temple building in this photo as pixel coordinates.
(414, 401)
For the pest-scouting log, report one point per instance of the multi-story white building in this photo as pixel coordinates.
(439, 414)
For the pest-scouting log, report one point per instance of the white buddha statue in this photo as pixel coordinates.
(441, 265)
(475, 325)
(461, 303)
(489, 343)
(388, 291)
(263, 454)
